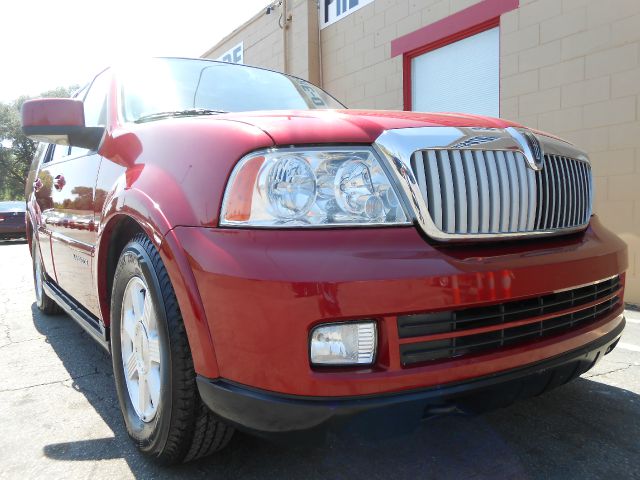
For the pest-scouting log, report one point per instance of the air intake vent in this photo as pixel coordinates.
(451, 334)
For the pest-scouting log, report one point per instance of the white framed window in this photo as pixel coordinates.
(233, 55)
(333, 10)
(463, 76)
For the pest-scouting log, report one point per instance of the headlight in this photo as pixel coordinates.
(311, 187)
(352, 343)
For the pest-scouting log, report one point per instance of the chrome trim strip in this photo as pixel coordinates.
(94, 327)
(397, 146)
(596, 282)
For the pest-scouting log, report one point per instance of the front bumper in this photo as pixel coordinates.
(263, 291)
(12, 230)
(294, 417)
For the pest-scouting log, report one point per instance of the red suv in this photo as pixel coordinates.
(255, 256)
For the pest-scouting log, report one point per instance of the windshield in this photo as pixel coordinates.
(173, 84)
(13, 207)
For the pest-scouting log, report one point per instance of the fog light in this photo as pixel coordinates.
(351, 343)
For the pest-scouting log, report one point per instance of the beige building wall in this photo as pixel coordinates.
(264, 40)
(570, 67)
(356, 51)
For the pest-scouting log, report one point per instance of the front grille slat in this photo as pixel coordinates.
(514, 191)
(564, 203)
(547, 201)
(579, 301)
(560, 197)
(474, 210)
(493, 191)
(471, 192)
(583, 184)
(505, 193)
(484, 202)
(571, 199)
(417, 164)
(446, 189)
(590, 195)
(531, 185)
(574, 193)
(433, 185)
(553, 177)
(523, 199)
(582, 206)
(459, 192)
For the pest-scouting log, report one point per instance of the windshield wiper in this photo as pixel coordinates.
(191, 112)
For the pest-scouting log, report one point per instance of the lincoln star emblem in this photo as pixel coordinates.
(530, 146)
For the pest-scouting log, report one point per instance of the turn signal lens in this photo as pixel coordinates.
(242, 191)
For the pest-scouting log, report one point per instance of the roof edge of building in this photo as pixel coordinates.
(234, 32)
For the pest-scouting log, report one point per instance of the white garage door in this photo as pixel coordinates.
(463, 76)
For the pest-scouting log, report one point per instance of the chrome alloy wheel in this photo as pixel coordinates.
(140, 347)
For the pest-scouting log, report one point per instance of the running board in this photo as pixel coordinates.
(86, 320)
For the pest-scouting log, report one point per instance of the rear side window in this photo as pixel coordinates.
(56, 152)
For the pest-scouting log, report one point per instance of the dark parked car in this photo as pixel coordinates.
(256, 256)
(12, 224)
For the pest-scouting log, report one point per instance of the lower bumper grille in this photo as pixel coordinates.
(451, 334)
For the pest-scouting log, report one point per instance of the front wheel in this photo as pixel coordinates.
(44, 303)
(152, 364)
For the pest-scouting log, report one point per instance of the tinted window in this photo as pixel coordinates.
(58, 152)
(163, 85)
(78, 151)
(95, 103)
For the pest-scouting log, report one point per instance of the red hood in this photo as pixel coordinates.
(295, 127)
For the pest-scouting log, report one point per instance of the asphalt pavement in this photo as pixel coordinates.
(59, 418)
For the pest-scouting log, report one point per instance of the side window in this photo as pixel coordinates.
(56, 152)
(95, 103)
(78, 152)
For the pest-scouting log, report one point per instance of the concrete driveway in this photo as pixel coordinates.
(59, 418)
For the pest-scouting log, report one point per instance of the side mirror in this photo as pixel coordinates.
(61, 121)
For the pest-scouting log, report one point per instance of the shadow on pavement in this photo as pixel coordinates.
(585, 429)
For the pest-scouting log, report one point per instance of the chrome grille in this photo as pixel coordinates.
(472, 191)
(564, 193)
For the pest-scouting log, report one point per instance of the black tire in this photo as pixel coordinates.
(44, 303)
(183, 428)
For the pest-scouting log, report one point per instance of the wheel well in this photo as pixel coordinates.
(124, 229)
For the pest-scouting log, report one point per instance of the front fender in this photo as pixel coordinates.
(135, 205)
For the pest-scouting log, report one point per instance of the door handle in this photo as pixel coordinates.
(37, 185)
(58, 182)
